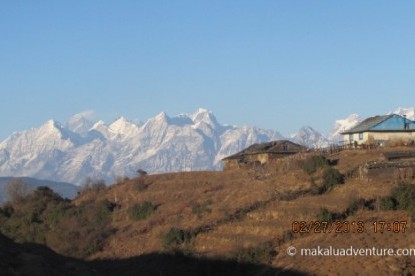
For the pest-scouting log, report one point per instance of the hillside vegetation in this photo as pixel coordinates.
(64, 189)
(232, 217)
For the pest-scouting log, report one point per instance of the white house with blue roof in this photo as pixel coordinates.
(380, 129)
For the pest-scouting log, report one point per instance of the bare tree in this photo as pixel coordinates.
(17, 189)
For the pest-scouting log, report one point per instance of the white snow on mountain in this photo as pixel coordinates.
(85, 148)
(81, 123)
(309, 137)
(408, 112)
(342, 125)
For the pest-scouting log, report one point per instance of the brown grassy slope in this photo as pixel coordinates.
(248, 209)
(224, 193)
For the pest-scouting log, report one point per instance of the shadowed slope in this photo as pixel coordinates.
(34, 259)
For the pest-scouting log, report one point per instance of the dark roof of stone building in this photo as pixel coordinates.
(274, 147)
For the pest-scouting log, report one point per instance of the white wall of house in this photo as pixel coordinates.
(364, 137)
(360, 138)
(392, 135)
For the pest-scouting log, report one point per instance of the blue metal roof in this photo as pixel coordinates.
(391, 122)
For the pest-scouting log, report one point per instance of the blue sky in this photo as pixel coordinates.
(274, 64)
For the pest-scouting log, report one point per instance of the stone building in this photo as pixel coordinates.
(260, 154)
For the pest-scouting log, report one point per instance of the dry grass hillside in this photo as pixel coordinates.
(237, 216)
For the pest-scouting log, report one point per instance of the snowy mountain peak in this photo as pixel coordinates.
(160, 120)
(307, 129)
(51, 126)
(124, 127)
(163, 144)
(205, 116)
(120, 120)
(162, 117)
(81, 123)
(185, 142)
(309, 137)
(98, 125)
(200, 110)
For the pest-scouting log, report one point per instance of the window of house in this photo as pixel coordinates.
(351, 137)
(360, 136)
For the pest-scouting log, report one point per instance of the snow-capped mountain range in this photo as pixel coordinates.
(85, 148)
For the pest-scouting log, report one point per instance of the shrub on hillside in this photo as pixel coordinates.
(44, 217)
(313, 163)
(84, 229)
(402, 198)
(387, 203)
(44, 193)
(104, 209)
(331, 178)
(142, 211)
(325, 215)
(315, 188)
(55, 213)
(6, 211)
(29, 220)
(177, 237)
